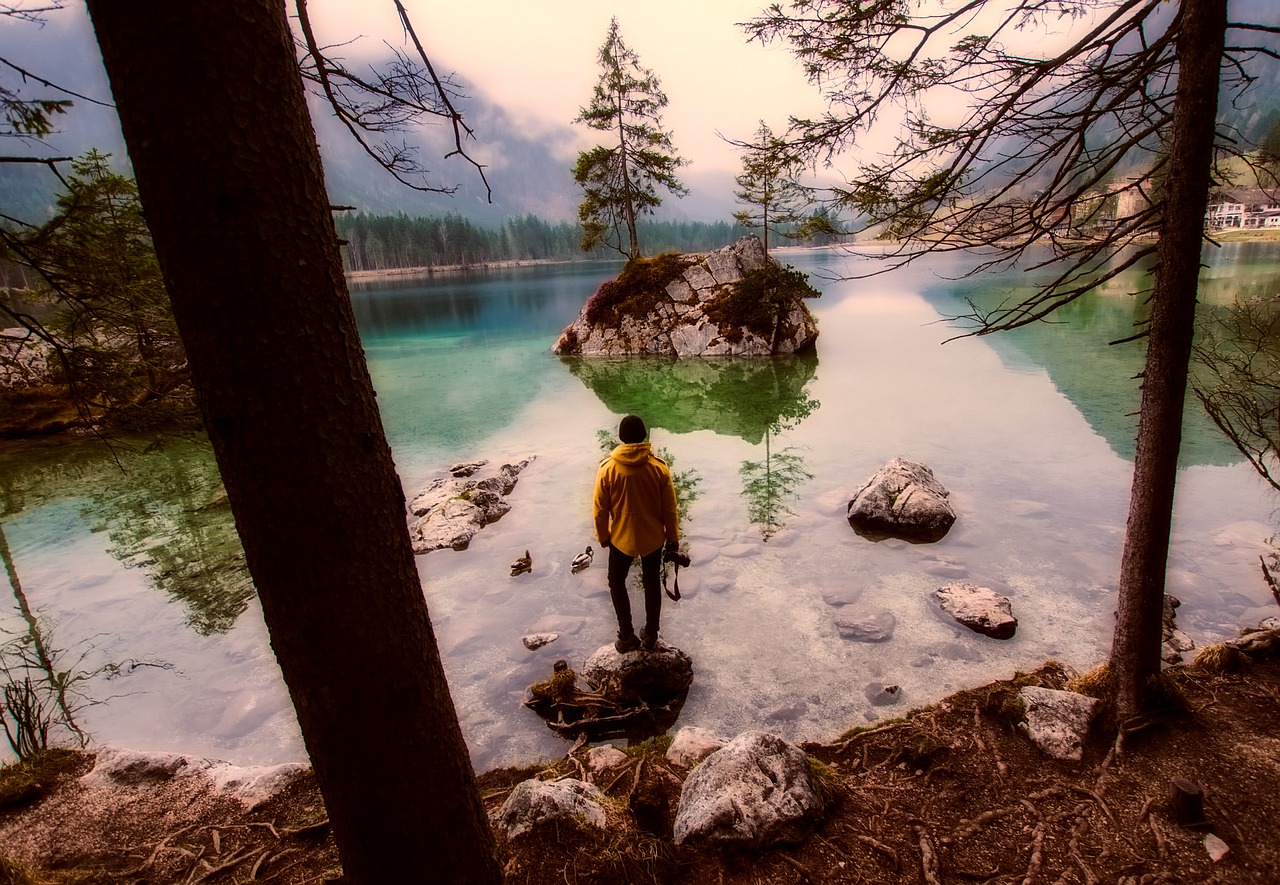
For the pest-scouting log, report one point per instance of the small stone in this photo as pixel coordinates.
(881, 695)
(981, 609)
(535, 641)
(692, 744)
(1216, 847)
(604, 758)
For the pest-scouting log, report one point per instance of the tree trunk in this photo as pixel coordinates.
(212, 109)
(1135, 651)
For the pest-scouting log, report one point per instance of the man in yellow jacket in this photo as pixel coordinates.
(635, 515)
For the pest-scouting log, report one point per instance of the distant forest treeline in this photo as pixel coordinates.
(379, 242)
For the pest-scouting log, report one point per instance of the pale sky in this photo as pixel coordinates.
(538, 60)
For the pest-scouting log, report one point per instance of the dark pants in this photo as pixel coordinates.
(650, 565)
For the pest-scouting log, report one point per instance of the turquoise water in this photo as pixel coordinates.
(128, 563)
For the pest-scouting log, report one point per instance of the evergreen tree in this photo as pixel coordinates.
(620, 183)
(114, 330)
(768, 187)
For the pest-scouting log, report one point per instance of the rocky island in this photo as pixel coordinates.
(735, 301)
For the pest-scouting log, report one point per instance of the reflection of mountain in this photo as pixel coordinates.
(1101, 379)
(731, 396)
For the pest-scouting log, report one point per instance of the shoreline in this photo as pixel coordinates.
(1215, 237)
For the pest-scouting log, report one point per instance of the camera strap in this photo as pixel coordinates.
(672, 594)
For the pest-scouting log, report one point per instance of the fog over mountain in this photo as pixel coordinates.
(528, 164)
(528, 161)
(529, 167)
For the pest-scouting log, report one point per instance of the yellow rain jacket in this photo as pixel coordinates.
(635, 501)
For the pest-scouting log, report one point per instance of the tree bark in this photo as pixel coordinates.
(1135, 651)
(213, 112)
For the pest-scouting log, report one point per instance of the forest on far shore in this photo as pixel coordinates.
(380, 242)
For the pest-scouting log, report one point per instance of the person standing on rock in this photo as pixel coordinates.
(635, 515)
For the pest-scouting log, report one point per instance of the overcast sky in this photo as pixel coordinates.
(538, 60)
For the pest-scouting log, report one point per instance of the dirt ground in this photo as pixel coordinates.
(950, 794)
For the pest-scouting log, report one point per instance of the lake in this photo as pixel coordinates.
(127, 562)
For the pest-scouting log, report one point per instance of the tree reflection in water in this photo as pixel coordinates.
(167, 513)
(753, 398)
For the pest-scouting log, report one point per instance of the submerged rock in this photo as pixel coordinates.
(902, 500)
(864, 623)
(755, 791)
(981, 609)
(687, 317)
(455, 506)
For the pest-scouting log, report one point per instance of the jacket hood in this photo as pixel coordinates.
(631, 453)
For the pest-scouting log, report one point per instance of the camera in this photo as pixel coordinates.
(673, 554)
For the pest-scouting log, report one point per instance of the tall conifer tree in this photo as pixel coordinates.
(620, 182)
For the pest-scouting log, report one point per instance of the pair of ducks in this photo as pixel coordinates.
(525, 563)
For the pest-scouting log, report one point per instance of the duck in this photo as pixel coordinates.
(582, 560)
(522, 565)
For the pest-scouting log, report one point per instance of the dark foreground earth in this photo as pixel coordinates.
(950, 794)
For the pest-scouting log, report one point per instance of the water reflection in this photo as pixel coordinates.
(769, 485)
(34, 652)
(160, 504)
(167, 513)
(1075, 346)
(730, 396)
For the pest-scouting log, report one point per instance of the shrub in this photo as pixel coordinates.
(637, 290)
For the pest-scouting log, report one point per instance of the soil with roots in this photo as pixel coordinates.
(952, 793)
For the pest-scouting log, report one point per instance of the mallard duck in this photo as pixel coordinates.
(522, 565)
(582, 560)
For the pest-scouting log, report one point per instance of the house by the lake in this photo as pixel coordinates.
(1243, 208)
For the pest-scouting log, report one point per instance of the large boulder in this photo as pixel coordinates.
(755, 791)
(902, 500)
(453, 507)
(1057, 721)
(535, 803)
(680, 318)
(981, 609)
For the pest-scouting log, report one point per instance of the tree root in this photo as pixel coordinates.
(928, 858)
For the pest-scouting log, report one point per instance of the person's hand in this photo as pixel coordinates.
(673, 547)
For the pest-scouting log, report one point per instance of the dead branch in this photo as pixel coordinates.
(883, 849)
(613, 783)
(1096, 798)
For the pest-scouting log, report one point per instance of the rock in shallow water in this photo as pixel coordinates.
(864, 623)
(981, 609)
(902, 500)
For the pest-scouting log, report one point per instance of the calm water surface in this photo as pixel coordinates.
(128, 565)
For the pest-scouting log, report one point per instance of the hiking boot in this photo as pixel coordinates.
(627, 642)
(648, 640)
